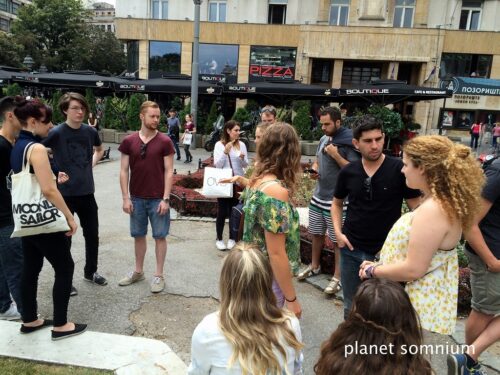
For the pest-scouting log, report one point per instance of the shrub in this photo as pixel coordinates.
(57, 116)
(133, 111)
(464, 291)
(241, 115)
(12, 90)
(302, 121)
(463, 261)
(211, 118)
(90, 98)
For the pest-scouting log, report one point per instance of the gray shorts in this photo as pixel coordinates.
(485, 286)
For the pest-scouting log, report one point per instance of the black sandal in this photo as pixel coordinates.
(46, 323)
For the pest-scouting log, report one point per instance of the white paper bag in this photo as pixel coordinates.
(32, 212)
(212, 187)
(188, 137)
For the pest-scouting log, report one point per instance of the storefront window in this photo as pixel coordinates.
(356, 73)
(132, 56)
(321, 71)
(217, 61)
(164, 58)
(272, 63)
(465, 65)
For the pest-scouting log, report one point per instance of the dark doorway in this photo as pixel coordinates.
(321, 72)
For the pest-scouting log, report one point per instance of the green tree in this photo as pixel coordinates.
(302, 119)
(90, 98)
(133, 111)
(12, 90)
(392, 122)
(212, 117)
(10, 51)
(49, 31)
(57, 116)
(241, 115)
(103, 52)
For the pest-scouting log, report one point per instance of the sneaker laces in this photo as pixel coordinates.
(157, 279)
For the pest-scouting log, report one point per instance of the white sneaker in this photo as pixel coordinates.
(220, 245)
(230, 244)
(11, 313)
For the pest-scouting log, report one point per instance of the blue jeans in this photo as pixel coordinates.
(176, 145)
(11, 269)
(349, 269)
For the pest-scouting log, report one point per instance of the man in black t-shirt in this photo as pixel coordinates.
(483, 250)
(11, 252)
(375, 189)
(77, 148)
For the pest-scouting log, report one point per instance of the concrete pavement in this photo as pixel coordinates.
(191, 273)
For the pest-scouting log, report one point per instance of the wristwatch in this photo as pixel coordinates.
(166, 200)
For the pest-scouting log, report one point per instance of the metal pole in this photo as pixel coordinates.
(194, 68)
(440, 127)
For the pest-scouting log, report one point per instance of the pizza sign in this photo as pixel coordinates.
(271, 71)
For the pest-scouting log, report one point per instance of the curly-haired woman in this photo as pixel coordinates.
(420, 248)
(382, 321)
(250, 334)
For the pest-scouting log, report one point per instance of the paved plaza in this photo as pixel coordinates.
(191, 274)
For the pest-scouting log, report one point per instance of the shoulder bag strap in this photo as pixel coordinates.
(230, 162)
(26, 157)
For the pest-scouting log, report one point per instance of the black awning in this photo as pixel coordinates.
(281, 90)
(66, 80)
(392, 93)
(165, 85)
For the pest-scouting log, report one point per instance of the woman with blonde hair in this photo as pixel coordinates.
(381, 319)
(420, 248)
(249, 335)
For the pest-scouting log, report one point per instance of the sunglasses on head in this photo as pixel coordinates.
(144, 147)
(367, 185)
(268, 109)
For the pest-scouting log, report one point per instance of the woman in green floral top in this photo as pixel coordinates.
(270, 220)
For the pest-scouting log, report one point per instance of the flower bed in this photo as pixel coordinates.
(186, 200)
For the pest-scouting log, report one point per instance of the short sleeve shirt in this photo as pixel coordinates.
(73, 150)
(147, 170)
(328, 168)
(490, 225)
(375, 205)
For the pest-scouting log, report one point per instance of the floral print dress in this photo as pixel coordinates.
(265, 213)
(434, 295)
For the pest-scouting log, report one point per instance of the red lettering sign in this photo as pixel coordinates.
(272, 71)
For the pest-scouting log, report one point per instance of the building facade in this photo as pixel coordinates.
(8, 12)
(335, 43)
(103, 16)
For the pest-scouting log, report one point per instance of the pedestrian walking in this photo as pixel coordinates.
(173, 128)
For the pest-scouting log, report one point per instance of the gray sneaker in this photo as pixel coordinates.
(11, 313)
(308, 272)
(131, 278)
(333, 287)
(158, 284)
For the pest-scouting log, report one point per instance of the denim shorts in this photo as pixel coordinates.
(485, 286)
(144, 209)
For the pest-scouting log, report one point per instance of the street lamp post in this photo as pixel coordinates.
(194, 68)
(446, 81)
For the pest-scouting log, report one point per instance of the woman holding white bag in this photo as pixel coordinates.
(229, 152)
(35, 119)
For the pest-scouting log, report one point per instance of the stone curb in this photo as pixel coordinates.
(125, 355)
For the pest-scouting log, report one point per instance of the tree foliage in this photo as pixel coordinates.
(133, 111)
(302, 119)
(55, 34)
(10, 50)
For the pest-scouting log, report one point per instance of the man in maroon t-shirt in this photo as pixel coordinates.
(148, 155)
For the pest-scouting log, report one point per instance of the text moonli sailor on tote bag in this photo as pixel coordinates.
(33, 213)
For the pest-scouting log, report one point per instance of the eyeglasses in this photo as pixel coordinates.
(268, 109)
(77, 109)
(144, 147)
(367, 185)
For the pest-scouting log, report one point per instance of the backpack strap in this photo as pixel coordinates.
(264, 185)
